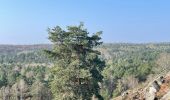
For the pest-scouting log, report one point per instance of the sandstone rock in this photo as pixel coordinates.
(166, 96)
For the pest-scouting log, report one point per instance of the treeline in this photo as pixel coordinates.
(25, 57)
(10, 49)
(24, 53)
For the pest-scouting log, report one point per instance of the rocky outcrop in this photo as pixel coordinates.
(166, 96)
(153, 89)
(159, 89)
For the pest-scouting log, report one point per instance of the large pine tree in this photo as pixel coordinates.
(77, 71)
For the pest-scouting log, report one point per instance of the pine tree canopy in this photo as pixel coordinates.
(77, 70)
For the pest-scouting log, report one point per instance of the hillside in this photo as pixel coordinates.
(157, 89)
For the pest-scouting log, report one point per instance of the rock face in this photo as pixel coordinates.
(151, 94)
(166, 96)
(161, 80)
(153, 89)
(156, 86)
(159, 89)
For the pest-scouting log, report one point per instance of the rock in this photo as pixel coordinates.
(156, 85)
(151, 94)
(124, 95)
(161, 80)
(166, 96)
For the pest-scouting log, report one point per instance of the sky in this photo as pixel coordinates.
(133, 21)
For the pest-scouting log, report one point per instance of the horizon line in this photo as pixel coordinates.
(103, 43)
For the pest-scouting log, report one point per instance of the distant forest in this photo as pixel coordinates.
(24, 69)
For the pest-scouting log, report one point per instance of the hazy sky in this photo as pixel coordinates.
(26, 21)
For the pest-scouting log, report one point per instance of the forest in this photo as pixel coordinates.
(77, 65)
(84, 50)
(25, 69)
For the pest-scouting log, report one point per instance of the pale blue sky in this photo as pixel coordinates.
(26, 21)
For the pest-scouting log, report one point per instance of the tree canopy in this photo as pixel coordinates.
(77, 70)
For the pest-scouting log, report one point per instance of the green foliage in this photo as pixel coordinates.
(3, 80)
(78, 67)
(12, 79)
(40, 91)
(127, 66)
